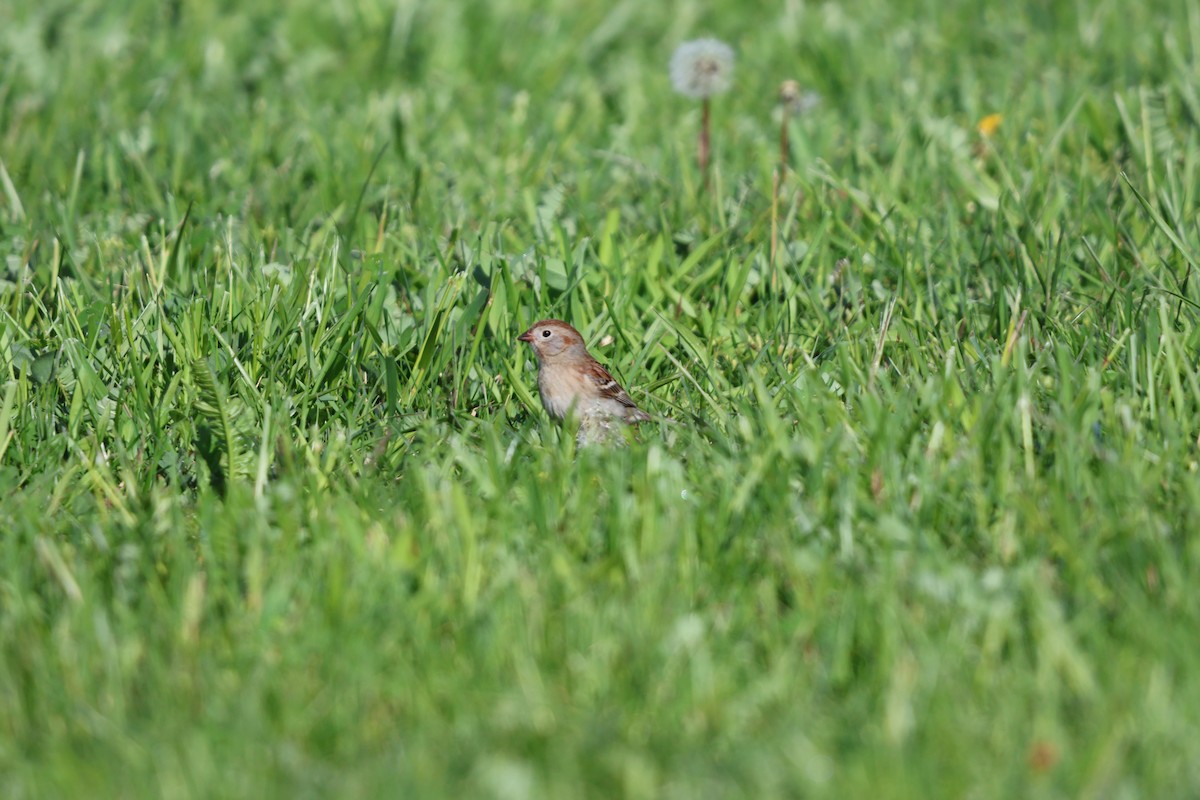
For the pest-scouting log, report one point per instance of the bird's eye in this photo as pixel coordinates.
(546, 333)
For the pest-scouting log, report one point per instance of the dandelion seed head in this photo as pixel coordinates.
(702, 68)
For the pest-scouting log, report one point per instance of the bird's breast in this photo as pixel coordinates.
(558, 392)
(565, 389)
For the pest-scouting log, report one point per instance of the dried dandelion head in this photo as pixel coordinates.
(702, 68)
(796, 101)
(789, 92)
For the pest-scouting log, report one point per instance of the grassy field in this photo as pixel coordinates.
(281, 515)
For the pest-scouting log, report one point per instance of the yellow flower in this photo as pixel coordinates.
(988, 126)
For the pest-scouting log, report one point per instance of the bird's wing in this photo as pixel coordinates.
(609, 389)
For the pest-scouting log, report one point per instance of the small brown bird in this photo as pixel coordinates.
(570, 380)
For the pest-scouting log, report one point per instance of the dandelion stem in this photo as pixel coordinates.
(785, 149)
(777, 184)
(778, 179)
(702, 150)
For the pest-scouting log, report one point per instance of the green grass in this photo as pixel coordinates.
(280, 515)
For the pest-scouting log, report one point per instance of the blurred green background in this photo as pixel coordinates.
(281, 514)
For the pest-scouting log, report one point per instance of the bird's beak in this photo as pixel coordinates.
(527, 336)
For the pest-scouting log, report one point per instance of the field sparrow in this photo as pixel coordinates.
(570, 380)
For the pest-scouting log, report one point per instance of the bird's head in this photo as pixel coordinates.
(553, 339)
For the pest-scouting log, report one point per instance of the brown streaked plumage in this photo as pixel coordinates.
(569, 379)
